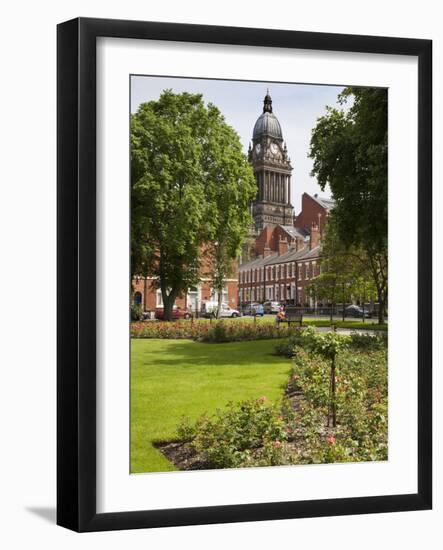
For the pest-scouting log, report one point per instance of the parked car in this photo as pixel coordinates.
(356, 311)
(271, 307)
(258, 309)
(209, 309)
(253, 309)
(177, 313)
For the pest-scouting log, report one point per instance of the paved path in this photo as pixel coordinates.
(350, 331)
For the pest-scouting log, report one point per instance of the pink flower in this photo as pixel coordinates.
(331, 440)
(263, 398)
(277, 444)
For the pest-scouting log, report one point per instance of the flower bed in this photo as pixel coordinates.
(297, 430)
(170, 330)
(217, 331)
(361, 402)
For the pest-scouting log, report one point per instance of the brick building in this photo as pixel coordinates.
(282, 273)
(149, 297)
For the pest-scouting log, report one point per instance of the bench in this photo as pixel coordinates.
(293, 314)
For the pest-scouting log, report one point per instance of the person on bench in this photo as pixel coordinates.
(281, 315)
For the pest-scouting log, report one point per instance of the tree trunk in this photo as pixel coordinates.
(381, 306)
(219, 302)
(168, 304)
(334, 405)
(363, 305)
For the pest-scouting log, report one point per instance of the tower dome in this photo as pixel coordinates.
(267, 123)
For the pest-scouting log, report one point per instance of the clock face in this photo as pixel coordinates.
(274, 148)
(257, 148)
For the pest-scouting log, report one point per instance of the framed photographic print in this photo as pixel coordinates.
(231, 343)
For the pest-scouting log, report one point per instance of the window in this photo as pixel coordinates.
(193, 298)
(214, 295)
(159, 299)
(138, 298)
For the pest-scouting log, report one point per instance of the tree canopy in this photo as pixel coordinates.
(191, 187)
(349, 146)
(346, 272)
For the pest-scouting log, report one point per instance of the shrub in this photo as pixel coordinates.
(136, 312)
(362, 407)
(367, 342)
(225, 331)
(218, 333)
(204, 331)
(245, 434)
(287, 347)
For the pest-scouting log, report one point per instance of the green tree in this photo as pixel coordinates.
(347, 267)
(231, 188)
(349, 147)
(175, 165)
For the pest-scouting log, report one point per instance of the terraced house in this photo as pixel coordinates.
(286, 254)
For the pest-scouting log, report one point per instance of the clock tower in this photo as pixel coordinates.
(272, 168)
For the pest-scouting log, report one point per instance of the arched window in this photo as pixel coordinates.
(138, 298)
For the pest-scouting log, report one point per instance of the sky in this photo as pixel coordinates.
(297, 107)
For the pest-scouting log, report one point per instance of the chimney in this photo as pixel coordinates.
(314, 239)
(283, 246)
(266, 251)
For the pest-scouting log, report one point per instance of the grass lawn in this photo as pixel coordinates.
(172, 378)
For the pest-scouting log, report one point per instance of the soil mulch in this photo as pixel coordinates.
(181, 456)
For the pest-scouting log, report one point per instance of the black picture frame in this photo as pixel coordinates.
(76, 265)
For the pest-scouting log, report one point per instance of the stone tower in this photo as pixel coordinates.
(272, 168)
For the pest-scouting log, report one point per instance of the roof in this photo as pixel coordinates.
(258, 262)
(295, 232)
(267, 125)
(324, 201)
(292, 255)
(297, 255)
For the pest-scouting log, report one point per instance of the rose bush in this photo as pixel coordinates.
(248, 434)
(362, 407)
